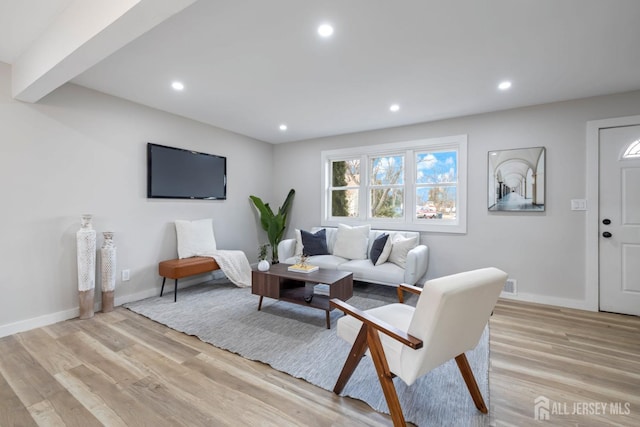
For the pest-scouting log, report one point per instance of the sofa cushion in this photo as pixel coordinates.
(378, 249)
(400, 247)
(298, 249)
(363, 270)
(314, 243)
(352, 242)
(331, 236)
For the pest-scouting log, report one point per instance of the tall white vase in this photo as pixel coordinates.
(86, 245)
(108, 265)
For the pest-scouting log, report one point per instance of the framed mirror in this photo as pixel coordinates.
(517, 180)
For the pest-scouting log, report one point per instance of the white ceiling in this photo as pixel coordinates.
(250, 65)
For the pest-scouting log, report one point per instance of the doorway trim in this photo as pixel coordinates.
(592, 299)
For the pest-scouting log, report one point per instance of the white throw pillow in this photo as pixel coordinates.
(384, 256)
(195, 238)
(298, 250)
(400, 248)
(352, 242)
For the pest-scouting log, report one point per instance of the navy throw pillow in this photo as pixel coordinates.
(378, 247)
(314, 243)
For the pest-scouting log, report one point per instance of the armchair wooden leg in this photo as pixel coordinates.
(386, 378)
(355, 356)
(470, 381)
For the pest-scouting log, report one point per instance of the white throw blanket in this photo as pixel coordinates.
(234, 264)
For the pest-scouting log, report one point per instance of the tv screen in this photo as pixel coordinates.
(175, 173)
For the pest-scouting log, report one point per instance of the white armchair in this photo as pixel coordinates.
(448, 320)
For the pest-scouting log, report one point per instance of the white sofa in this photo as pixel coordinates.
(364, 270)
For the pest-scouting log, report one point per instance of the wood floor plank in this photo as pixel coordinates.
(12, 410)
(153, 393)
(71, 411)
(264, 397)
(49, 353)
(155, 339)
(29, 380)
(90, 400)
(123, 403)
(45, 414)
(92, 352)
(107, 336)
(37, 389)
(187, 387)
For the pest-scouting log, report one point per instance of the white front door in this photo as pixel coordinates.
(619, 221)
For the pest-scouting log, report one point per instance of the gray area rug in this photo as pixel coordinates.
(294, 339)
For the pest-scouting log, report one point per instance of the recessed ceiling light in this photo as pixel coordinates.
(325, 30)
(177, 85)
(394, 107)
(504, 85)
(283, 127)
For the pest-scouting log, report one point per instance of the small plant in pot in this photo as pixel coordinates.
(263, 264)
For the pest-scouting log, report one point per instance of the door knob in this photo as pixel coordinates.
(606, 234)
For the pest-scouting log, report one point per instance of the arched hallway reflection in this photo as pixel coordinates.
(515, 202)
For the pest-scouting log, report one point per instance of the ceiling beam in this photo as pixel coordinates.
(83, 35)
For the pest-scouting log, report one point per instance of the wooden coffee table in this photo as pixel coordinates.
(284, 285)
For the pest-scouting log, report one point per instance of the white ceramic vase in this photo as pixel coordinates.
(264, 265)
(108, 264)
(86, 246)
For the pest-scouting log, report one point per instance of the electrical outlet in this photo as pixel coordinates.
(126, 275)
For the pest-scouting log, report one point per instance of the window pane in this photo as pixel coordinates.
(387, 170)
(344, 203)
(345, 173)
(437, 167)
(633, 150)
(438, 202)
(387, 203)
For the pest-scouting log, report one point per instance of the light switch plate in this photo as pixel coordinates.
(578, 205)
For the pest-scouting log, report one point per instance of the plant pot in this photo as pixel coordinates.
(264, 265)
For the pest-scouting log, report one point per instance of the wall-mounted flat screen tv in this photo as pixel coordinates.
(175, 173)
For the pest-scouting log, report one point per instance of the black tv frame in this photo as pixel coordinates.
(151, 194)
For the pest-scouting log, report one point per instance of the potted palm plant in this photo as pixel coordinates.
(274, 223)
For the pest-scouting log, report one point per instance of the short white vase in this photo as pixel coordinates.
(264, 265)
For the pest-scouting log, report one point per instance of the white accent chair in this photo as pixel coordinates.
(448, 320)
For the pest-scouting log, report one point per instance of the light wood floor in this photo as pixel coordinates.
(122, 369)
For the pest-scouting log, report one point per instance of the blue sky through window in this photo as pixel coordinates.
(437, 167)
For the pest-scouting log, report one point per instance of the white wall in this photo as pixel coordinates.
(544, 252)
(79, 151)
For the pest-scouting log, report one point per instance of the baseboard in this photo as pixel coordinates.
(50, 319)
(38, 322)
(546, 300)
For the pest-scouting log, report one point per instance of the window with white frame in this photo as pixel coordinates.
(413, 185)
